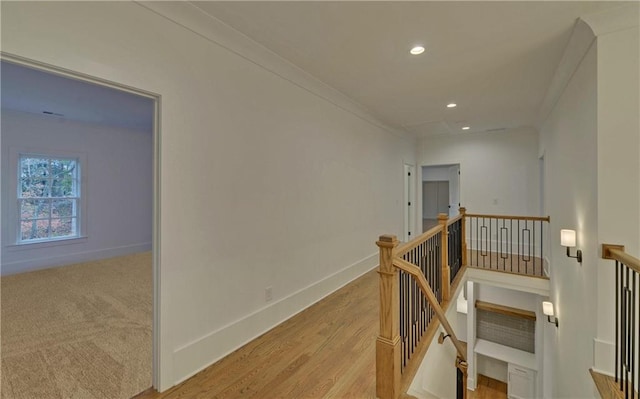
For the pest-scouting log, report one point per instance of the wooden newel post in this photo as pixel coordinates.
(388, 342)
(443, 218)
(463, 231)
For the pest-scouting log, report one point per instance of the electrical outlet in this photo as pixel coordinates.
(268, 294)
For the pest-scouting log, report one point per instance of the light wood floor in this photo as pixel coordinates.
(510, 264)
(607, 387)
(488, 388)
(326, 351)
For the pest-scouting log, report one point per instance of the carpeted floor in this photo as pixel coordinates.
(79, 332)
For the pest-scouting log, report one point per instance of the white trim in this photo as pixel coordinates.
(191, 358)
(191, 17)
(535, 285)
(47, 243)
(421, 393)
(603, 356)
(613, 19)
(71, 258)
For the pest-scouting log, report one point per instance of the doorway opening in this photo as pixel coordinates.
(440, 190)
(80, 224)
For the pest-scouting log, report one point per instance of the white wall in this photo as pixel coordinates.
(590, 141)
(498, 170)
(330, 181)
(436, 376)
(118, 178)
(568, 138)
(435, 173)
(618, 166)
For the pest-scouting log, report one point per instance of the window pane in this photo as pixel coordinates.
(25, 229)
(62, 208)
(35, 187)
(32, 208)
(62, 227)
(62, 187)
(34, 167)
(33, 230)
(63, 167)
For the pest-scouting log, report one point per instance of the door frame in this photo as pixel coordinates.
(156, 179)
(409, 201)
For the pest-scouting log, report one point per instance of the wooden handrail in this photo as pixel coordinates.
(455, 219)
(505, 310)
(477, 215)
(408, 246)
(616, 252)
(428, 293)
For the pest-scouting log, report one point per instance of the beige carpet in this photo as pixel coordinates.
(81, 331)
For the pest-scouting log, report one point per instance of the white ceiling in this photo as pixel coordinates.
(29, 90)
(494, 59)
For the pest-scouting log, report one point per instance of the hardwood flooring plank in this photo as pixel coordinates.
(325, 351)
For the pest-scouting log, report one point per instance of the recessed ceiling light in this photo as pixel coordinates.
(465, 128)
(452, 105)
(417, 50)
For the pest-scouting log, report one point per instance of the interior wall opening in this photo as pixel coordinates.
(79, 223)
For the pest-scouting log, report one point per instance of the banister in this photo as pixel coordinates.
(455, 219)
(626, 314)
(428, 293)
(408, 246)
(534, 218)
(616, 252)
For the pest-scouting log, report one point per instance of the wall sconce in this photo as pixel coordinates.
(547, 309)
(568, 239)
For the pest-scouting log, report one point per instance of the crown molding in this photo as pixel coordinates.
(580, 42)
(585, 32)
(614, 19)
(191, 17)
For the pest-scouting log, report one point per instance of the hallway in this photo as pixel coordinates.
(327, 350)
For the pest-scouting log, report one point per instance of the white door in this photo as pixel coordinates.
(409, 201)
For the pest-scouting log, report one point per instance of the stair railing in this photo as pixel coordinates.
(627, 318)
(513, 244)
(415, 281)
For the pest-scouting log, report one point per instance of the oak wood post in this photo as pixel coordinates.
(443, 218)
(388, 342)
(463, 212)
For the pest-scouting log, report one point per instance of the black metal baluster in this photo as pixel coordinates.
(633, 331)
(511, 242)
(519, 244)
(534, 247)
(617, 316)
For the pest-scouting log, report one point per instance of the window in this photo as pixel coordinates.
(48, 198)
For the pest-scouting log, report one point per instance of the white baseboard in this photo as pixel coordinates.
(603, 356)
(421, 393)
(29, 265)
(206, 350)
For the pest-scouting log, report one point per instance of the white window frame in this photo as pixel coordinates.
(16, 154)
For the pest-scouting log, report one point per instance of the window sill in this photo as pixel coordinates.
(48, 243)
